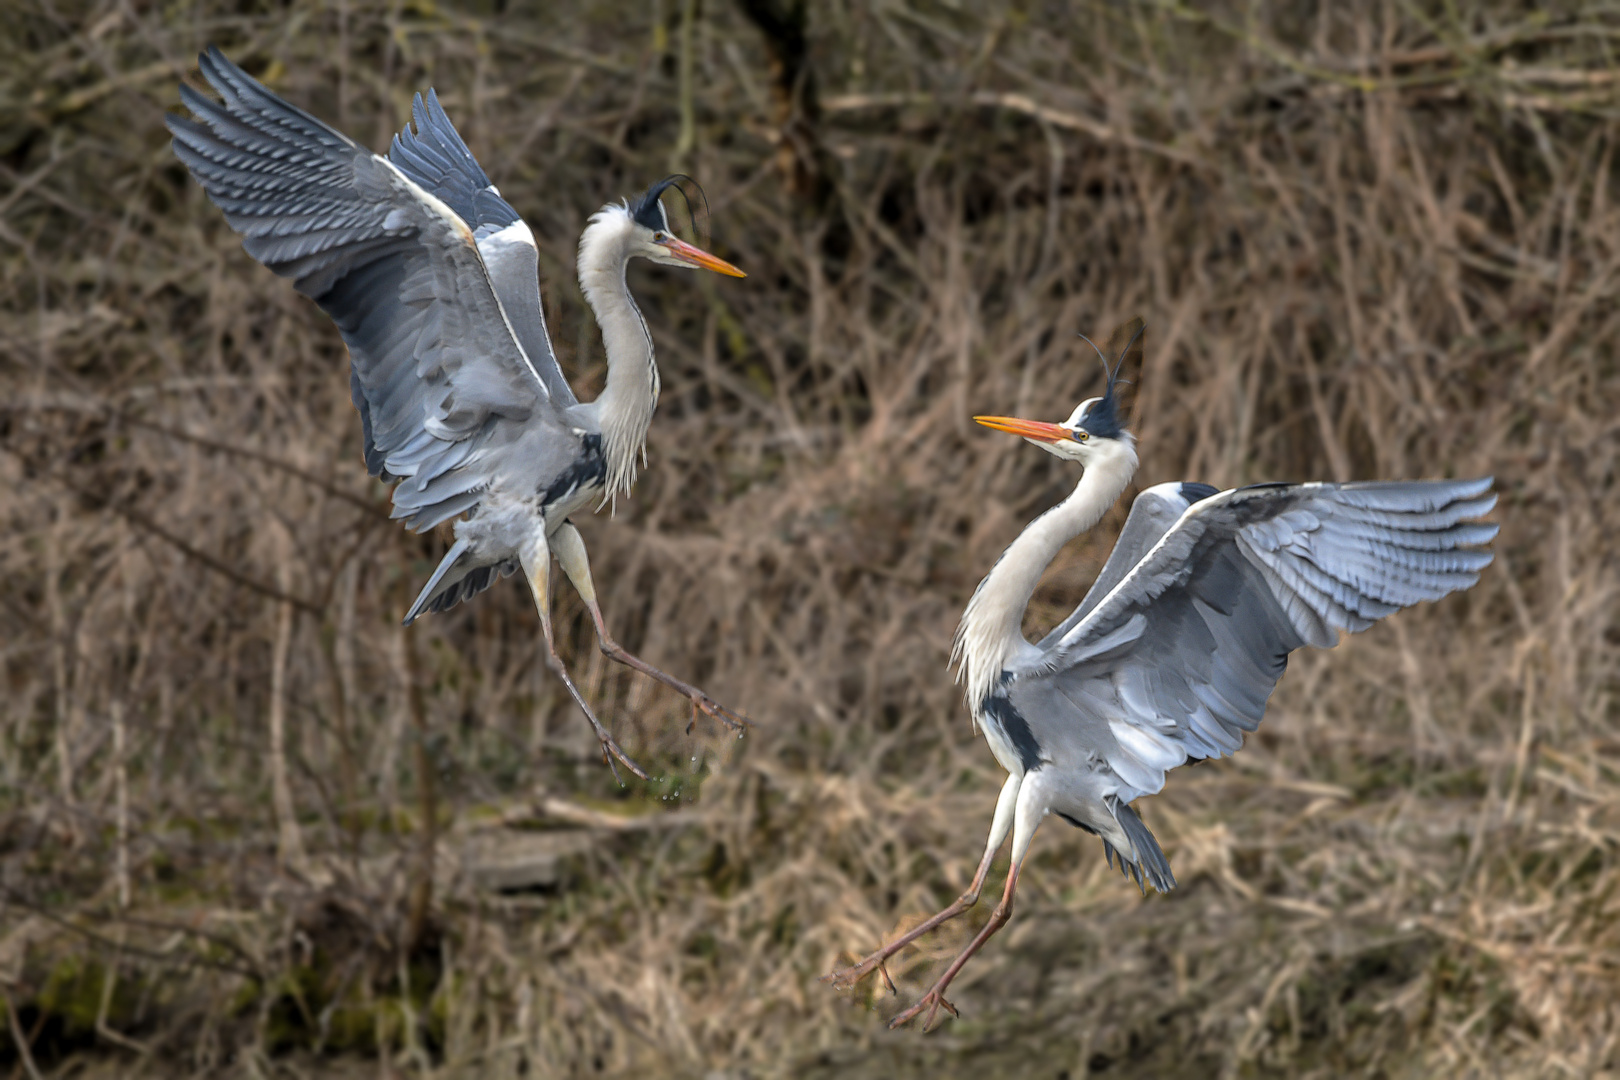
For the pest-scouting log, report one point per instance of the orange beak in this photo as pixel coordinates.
(700, 258)
(1029, 429)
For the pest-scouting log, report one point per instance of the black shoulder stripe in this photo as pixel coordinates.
(1012, 722)
(587, 470)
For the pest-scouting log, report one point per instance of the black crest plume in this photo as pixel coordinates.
(1102, 419)
(646, 207)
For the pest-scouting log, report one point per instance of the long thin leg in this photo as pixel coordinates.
(536, 561)
(1005, 804)
(1031, 809)
(935, 998)
(570, 551)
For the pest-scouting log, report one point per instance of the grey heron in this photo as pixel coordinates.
(433, 281)
(1177, 646)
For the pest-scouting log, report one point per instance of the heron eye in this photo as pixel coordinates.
(1081, 435)
(660, 236)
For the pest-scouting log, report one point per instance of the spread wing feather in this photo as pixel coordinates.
(438, 378)
(436, 157)
(1179, 658)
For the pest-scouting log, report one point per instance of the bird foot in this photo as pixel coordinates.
(703, 703)
(845, 978)
(933, 1001)
(878, 961)
(611, 751)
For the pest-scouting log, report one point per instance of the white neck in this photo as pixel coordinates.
(625, 407)
(991, 629)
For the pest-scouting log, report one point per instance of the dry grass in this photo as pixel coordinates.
(1377, 243)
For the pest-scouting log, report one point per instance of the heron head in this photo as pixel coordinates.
(652, 238)
(1092, 433)
(1088, 436)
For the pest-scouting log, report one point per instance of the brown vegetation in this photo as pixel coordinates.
(250, 827)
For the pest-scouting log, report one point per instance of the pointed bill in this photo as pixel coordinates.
(696, 256)
(1029, 429)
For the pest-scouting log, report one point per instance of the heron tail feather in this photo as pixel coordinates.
(457, 578)
(1150, 862)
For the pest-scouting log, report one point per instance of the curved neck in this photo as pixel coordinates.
(625, 407)
(991, 633)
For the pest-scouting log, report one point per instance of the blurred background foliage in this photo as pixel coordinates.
(249, 827)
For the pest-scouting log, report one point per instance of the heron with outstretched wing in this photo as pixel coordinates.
(1176, 648)
(433, 281)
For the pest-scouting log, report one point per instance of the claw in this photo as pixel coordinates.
(611, 750)
(844, 978)
(877, 961)
(701, 702)
(935, 998)
(933, 1001)
(713, 708)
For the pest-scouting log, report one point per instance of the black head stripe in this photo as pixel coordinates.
(1102, 419)
(648, 209)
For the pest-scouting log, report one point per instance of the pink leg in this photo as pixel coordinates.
(935, 998)
(847, 977)
(701, 702)
(537, 568)
(1006, 804)
(570, 551)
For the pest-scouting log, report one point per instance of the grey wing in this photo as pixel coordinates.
(436, 158)
(1179, 659)
(1152, 514)
(440, 383)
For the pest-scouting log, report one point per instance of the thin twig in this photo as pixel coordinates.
(1012, 102)
(23, 1044)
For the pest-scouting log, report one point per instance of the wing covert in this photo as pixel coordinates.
(436, 158)
(1152, 514)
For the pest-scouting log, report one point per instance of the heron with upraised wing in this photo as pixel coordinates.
(1174, 651)
(433, 281)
